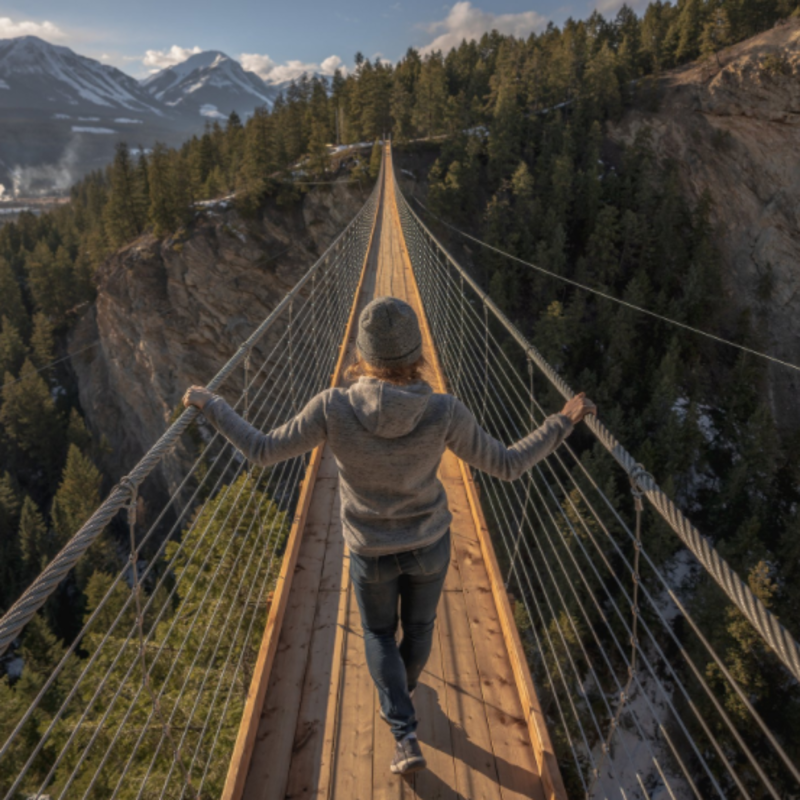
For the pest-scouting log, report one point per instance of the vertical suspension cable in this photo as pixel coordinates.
(137, 593)
(624, 695)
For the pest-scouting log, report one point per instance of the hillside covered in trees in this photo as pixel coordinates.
(513, 133)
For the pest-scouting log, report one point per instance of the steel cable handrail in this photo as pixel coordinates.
(304, 354)
(519, 400)
(20, 613)
(442, 283)
(492, 488)
(762, 619)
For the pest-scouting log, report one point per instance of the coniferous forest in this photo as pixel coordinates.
(514, 132)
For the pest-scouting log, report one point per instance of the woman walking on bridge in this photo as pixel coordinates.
(388, 432)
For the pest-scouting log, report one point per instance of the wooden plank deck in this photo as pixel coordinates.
(318, 731)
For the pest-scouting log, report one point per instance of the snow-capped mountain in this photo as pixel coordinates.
(36, 75)
(211, 85)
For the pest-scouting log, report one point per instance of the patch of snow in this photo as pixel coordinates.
(14, 667)
(478, 130)
(135, 151)
(61, 116)
(83, 129)
(211, 111)
(88, 119)
(219, 202)
(3, 84)
(704, 422)
(407, 172)
(126, 121)
(679, 574)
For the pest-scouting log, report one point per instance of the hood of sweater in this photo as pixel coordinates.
(387, 410)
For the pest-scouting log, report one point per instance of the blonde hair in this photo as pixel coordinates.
(400, 376)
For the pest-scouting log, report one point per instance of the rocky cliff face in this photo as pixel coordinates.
(733, 126)
(170, 313)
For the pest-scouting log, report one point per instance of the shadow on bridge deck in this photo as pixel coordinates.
(318, 733)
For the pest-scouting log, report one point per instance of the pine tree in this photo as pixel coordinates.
(375, 160)
(12, 348)
(716, 33)
(121, 216)
(431, 96)
(32, 422)
(689, 27)
(318, 158)
(41, 343)
(35, 546)
(162, 208)
(77, 497)
(77, 432)
(9, 549)
(11, 305)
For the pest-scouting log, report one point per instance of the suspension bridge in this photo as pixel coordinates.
(225, 659)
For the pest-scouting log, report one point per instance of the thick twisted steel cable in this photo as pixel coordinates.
(518, 432)
(222, 528)
(167, 637)
(51, 678)
(762, 619)
(492, 487)
(230, 653)
(172, 592)
(338, 338)
(728, 722)
(15, 619)
(745, 749)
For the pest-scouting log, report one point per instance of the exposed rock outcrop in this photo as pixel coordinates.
(733, 126)
(170, 313)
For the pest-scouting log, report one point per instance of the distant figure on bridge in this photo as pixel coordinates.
(388, 432)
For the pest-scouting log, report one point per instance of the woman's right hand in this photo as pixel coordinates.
(578, 407)
(197, 396)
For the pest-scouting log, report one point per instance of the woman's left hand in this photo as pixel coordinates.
(197, 396)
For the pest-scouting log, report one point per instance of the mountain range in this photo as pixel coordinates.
(61, 114)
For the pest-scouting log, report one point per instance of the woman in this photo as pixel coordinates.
(388, 433)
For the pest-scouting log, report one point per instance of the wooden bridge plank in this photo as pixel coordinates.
(276, 729)
(475, 766)
(352, 771)
(315, 715)
(438, 781)
(516, 764)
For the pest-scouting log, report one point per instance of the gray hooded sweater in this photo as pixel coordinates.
(388, 441)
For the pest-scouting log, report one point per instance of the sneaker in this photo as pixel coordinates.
(383, 716)
(408, 757)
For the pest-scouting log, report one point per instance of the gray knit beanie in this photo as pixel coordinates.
(389, 334)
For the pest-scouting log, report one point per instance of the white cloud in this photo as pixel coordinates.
(609, 7)
(45, 30)
(156, 60)
(330, 65)
(465, 22)
(273, 72)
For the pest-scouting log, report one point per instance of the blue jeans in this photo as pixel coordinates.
(416, 579)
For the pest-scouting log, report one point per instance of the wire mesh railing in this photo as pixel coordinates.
(146, 700)
(639, 703)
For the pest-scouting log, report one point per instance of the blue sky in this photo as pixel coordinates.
(275, 37)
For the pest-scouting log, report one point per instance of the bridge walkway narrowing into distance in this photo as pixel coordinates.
(312, 730)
